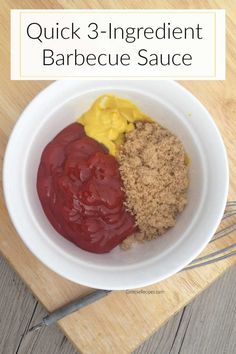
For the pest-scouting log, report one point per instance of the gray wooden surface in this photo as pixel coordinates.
(206, 326)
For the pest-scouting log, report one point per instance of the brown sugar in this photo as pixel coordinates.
(154, 169)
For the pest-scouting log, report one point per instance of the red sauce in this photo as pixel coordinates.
(79, 186)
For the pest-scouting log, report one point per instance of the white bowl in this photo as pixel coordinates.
(172, 106)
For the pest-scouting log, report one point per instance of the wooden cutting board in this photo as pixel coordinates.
(122, 320)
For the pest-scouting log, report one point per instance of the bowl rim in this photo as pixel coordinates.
(100, 283)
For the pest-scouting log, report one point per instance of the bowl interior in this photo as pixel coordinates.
(177, 121)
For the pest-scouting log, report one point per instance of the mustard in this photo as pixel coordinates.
(109, 118)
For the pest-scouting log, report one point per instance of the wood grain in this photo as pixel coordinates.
(206, 326)
(210, 317)
(121, 321)
(19, 310)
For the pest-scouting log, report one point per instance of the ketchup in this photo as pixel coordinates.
(80, 189)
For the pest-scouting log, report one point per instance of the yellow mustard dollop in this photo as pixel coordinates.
(109, 118)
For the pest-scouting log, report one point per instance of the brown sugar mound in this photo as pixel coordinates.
(154, 170)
